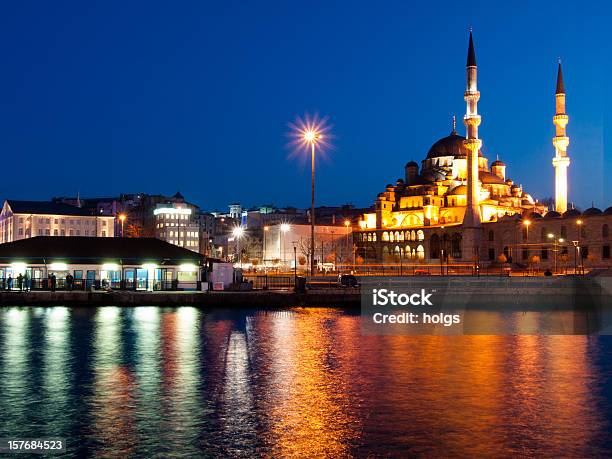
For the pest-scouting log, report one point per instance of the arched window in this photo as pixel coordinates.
(385, 236)
(374, 237)
(408, 252)
(385, 254)
(420, 235)
(605, 231)
(397, 254)
(413, 235)
(391, 236)
(420, 252)
(369, 237)
(491, 236)
(434, 246)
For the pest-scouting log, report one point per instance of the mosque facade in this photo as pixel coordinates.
(456, 206)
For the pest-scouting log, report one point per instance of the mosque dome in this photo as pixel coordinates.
(572, 213)
(529, 214)
(488, 177)
(552, 214)
(608, 211)
(452, 145)
(592, 211)
(412, 164)
(458, 190)
(497, 162)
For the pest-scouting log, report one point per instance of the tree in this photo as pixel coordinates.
(134, 230)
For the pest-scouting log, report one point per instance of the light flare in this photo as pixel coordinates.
(309, 130)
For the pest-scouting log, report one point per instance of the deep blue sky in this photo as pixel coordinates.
(109, 97)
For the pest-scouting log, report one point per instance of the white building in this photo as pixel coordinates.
(333, 246)
(25, 219)
(177, 223)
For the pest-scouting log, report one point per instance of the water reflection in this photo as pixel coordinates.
(299, 382)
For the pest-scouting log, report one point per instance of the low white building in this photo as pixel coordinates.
(119, 263)
(25, 219)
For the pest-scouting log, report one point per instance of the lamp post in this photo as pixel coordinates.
(122, 218)
(294, 264)
(263, 255)
(576, 249)
(579, 223)
(312, 136)
(347, 223)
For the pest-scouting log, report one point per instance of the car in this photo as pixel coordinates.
(347, 280)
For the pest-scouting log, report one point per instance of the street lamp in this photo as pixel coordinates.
(527, 223)
(309, 134)
(551, 236)
(263, 256)
(122, 218)
(312, 136)
(347, 223)
(238, 231)
(576, 250)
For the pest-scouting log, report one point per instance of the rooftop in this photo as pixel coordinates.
(46, 208)
(46, 249)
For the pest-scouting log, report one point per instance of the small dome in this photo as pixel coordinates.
(592, 211)
(552, 214)
(412, 164)
(488, 177)
(497, 162)
(572, 213)
(452, 145)
(458, 190)
(532, 215)
(608, 211)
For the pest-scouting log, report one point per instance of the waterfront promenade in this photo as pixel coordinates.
(485, 292)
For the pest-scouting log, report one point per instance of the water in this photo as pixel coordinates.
(299, 382)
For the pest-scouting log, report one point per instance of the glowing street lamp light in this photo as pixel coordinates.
(122, 218)
(527, 223)
(263, 257)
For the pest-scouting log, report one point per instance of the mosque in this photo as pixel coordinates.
(455, 203)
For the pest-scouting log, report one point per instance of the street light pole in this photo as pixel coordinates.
(312, 208)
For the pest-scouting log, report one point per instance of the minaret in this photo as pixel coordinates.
(471, 220)
(561, 161)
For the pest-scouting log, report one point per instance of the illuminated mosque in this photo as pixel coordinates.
(456, 200)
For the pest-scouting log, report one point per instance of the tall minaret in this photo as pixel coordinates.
(561, 161)
(472, 142)
(471, 220)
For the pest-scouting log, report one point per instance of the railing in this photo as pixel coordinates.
(270, 282)
(88, 284)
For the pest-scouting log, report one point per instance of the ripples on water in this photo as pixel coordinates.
(300, 382)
